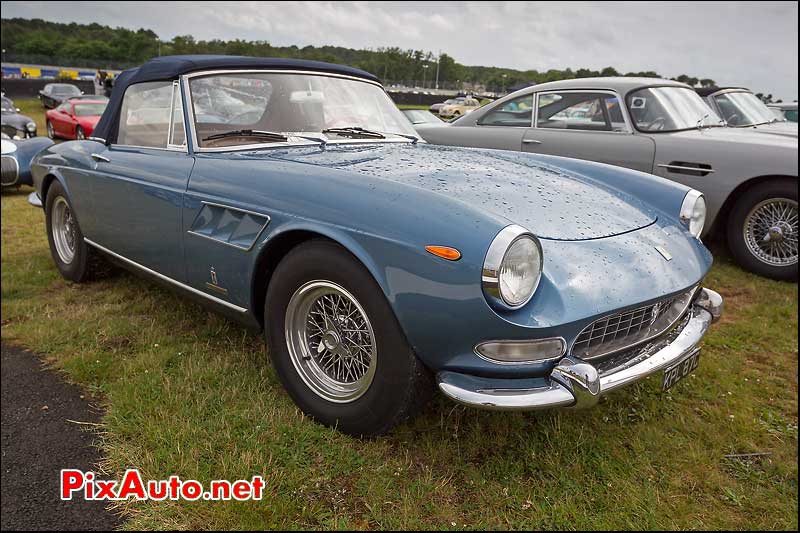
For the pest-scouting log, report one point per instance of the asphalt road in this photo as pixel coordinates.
(37, 442)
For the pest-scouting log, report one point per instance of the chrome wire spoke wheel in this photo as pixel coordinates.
(63, 227)
(770, 231)
(330, 341)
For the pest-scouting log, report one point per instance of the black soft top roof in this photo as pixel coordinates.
(171, 67)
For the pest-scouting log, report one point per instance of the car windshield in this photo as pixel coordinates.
(663, 109)
(8, 106)
(291, 104)
(89, 109)
(740, 109)
(64, 89)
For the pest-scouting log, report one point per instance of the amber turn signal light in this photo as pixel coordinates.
(445, 252)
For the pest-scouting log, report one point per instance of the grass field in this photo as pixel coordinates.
(192, 394)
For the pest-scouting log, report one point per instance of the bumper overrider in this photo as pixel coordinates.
(576, 383)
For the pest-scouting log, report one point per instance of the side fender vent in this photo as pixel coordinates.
(229, 225)
(688, 168)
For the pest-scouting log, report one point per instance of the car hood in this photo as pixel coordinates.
(746, 136)
(16, 119)
(786, 129)
(550, 201)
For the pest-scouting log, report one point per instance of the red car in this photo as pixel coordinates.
(74, 119)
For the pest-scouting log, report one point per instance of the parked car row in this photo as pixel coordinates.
(747, 172)
(296, 198)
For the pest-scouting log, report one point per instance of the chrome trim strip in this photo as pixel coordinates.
(576, 383)
(693, 169)
(165, 278)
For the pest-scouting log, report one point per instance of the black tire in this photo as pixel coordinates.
(79, 133)
(51, 132)
(401, 385)
(86, 263)
(777, 189)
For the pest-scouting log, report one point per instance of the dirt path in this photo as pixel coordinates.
(37, 442)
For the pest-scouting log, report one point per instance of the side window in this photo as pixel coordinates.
(144, 119)
(516, 112)
(63, 108)
(573, 111)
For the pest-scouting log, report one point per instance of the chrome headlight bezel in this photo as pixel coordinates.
(30, 126)
(688, 213)
(492, 264)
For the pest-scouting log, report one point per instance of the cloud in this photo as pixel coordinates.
(753, 44)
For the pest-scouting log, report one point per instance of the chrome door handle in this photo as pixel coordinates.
(531, 141)
(98, 157)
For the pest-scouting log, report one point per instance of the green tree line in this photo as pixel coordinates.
(98, 46)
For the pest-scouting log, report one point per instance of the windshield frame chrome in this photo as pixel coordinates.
(298, 142)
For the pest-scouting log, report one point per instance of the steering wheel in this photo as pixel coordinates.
(733, 119)
(658, 124)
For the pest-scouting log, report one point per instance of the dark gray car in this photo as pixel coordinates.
(55, 94)
(14, 123)
(665, 128)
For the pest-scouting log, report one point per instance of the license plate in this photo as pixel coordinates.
(681, 369)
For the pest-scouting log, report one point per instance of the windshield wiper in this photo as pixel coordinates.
(272, 135)
(355, 132)
(358, 132)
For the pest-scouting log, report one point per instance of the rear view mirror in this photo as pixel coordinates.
(307, 97)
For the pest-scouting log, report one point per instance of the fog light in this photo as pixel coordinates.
(521, 352)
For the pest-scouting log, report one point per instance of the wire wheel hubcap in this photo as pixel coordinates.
(770, 231)
(331, 342)
(63, 228)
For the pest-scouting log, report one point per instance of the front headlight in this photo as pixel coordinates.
(31, 126)
(512, 268)
(693, 212)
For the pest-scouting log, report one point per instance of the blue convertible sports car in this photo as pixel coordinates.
(294, 196)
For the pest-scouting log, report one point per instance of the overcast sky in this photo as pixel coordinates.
(753, 44)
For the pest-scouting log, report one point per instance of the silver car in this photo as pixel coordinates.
(663, 127)
(740, 108)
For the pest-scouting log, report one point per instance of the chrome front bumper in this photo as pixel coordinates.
(578, 384)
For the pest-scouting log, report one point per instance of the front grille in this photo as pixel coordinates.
(622, 330)
(10, 170)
